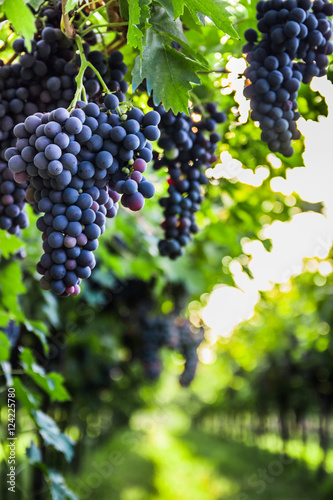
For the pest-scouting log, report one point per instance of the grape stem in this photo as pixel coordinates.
(91, 12)
(68, 28)
(107, 25)
(80, 90)
(195, 98)
(222, 70)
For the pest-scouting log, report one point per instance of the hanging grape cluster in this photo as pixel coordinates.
(70, 160)
(293, 49)
(189, 144)
(156, 333)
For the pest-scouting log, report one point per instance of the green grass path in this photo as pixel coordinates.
(163, 465)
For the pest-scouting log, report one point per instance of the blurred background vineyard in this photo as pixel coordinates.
(256, 422)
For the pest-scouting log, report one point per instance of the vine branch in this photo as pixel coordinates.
(67, 26)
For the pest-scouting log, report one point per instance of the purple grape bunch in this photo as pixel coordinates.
(294, 48)
(73, 162)
(189, 144)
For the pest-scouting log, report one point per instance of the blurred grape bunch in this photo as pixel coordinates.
(150, 335)
(12, 332)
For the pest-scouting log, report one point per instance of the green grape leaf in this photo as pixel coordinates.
(33, 453)
(11, 286)
(21, 18)
(59, 489)
(123, 9)
(35, 4)
(71, 4)
(56, 482)
(27, 399)
(51, 434)
(51, 383)
(191, 21)
(216, 10)
(40, 330)
(168, 6)
(139, 14)
(9, 244)
(173, 31)
(168, 73)
(4, 347)
(178, 7)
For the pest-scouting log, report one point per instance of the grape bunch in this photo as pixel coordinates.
(116, 72)
(189, 144)
(12, 202)
(38, 82)
(188, 343)
(50, 15)
(293, 49)
(12, 332)
(153, 334)
(44, 78)
(133, 136)
(69, 160)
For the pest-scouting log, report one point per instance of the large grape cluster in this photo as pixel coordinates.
(189, 144)
(293, 49)
(69, 160)
(39, 81)
(42, 80)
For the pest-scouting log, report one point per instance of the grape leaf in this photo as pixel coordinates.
(214, 9)
(168, 6)
(139, 14)
(11, 283)
(191, 21)
(51, 434)
(51, 383)
(40, 330)
(123, 8)
(9, 244)
(21, 18)
(134, 35)
(173, 30)
(4, 318)
(71, 4)
(178, 7)
(29, 400)
(35, 4)
(169, 75)
(33, 453)
(58, 487)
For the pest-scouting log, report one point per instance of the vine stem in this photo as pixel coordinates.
(222, 70)
(80, 90)
(107, 25)
(79, 78)
(92, 12)
(68, 28)
(195, 98)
